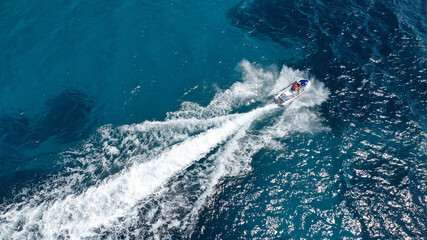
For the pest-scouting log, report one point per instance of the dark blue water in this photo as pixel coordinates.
(155, 119)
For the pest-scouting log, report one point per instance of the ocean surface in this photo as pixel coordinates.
(143, 119)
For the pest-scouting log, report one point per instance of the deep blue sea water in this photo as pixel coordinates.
(156, 120)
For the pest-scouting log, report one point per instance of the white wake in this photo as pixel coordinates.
(156, 176)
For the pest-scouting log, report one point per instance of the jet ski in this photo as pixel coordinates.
(287, 95)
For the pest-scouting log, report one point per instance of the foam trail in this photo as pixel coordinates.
(135, 180)
(79, 216)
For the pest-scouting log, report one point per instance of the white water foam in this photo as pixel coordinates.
(149, 187)
(80, 216)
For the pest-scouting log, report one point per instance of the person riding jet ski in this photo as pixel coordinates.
(296, 86)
